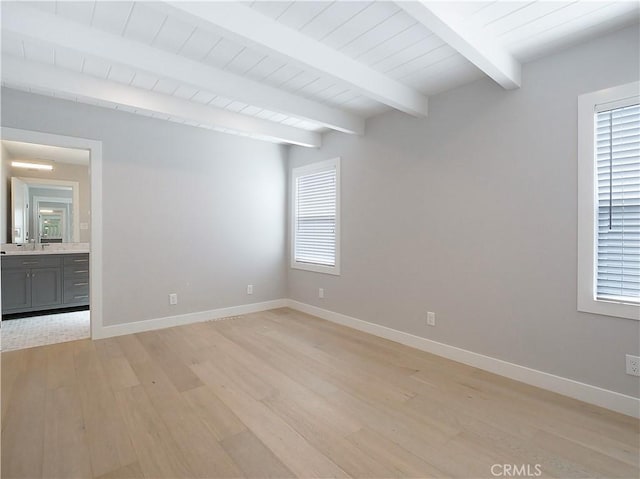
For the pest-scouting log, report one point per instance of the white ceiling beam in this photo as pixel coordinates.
(49, 78)
(476, 46)
(240, 22)
(42, 26)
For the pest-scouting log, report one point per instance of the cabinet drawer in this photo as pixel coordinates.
(76, 266)
(31, 261)
(76, 289)
(76, 292)
(76, 272)
(76, 260)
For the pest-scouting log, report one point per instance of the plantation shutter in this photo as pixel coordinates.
(315, 218)
(618, 203)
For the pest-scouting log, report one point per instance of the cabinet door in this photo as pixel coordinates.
(16, 290)
(46, 287)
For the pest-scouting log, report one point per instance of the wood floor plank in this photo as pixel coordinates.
(178, 372)
(120, 373)
(23, 425)
(289, 446)
(321, 432)
(66, 452)
(109, 443)
(220, 420)
(13, 366)
(287, 390)
(155, 448)
(132, 349)
(130, 471)
(193, 440)
(405, 463)
(254, 458)
(61, 369)
(289, 363)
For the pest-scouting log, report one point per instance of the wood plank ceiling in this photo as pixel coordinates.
(282, 71)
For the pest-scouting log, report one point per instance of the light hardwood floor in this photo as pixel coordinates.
(283, 394)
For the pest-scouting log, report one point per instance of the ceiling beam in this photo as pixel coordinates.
(52, 29)
(239, 22)
(49, 78)
(476, 46)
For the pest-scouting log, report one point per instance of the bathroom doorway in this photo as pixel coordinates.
(47, 223)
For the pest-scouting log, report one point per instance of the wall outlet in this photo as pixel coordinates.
(431, 319)
(633, 365)
(320, 293)
(173, 298)
(249, 289)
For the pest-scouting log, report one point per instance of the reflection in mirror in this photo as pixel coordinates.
(45, 211)
(52, 226)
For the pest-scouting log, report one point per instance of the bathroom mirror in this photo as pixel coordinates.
(44, 211)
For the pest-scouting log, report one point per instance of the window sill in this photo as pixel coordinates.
(610, 308)
(316, 268)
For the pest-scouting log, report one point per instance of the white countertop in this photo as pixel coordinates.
(52, 248)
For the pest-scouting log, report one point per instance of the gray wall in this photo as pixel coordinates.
(185, 210)
(69, 172)
(471, 213)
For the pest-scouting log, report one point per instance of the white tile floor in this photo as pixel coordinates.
(40, 330)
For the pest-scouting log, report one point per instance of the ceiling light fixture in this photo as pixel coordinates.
(46, 211)
(31, 166)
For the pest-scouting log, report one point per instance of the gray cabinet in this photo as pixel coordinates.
(44, 282)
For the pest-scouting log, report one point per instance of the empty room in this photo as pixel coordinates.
(314, 239)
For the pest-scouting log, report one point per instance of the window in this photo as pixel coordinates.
(315, 239)
(609, 202)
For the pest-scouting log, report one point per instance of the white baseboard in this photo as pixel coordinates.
(568, 387)
(181, 319)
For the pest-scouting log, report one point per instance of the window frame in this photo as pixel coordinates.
(588, 105)
(316, 167)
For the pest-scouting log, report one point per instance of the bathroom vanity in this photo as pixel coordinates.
(42, 280)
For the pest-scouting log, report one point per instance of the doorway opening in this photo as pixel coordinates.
(48, 227)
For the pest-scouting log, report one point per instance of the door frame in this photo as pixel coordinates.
(95, 173)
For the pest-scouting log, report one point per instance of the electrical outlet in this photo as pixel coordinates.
(173, 298)
(633, 365)
(320, 293)
(431, 319)
(249, 289)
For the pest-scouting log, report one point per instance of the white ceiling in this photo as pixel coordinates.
(193, 65)
(18, 150)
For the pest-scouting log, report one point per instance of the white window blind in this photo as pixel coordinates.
(315, 218)
(618, 204)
